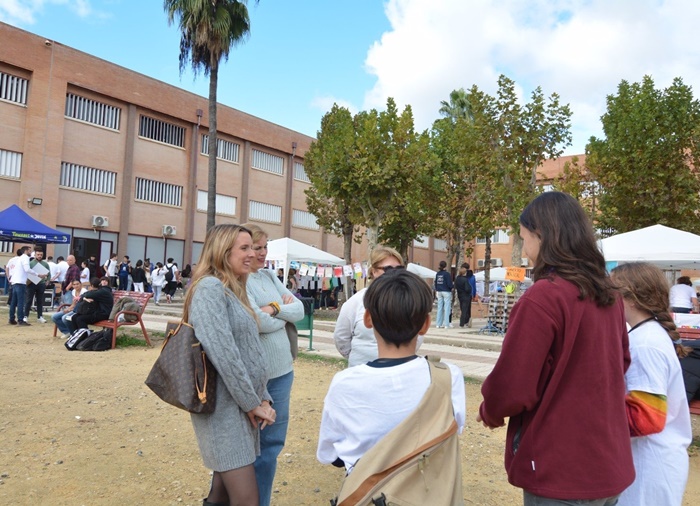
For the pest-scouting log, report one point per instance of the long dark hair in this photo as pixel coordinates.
(568, 246)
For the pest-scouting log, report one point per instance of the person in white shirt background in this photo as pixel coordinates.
(682, 297)
(17, 269)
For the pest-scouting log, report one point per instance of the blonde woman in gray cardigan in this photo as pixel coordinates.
(217, 306)
(274, 306)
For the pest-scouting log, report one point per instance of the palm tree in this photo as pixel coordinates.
(209, 29)
(457, 107)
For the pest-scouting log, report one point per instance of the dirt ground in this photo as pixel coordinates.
(81, 428)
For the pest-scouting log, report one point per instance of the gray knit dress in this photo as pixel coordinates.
(229, 334)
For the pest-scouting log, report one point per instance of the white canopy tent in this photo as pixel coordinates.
(666, 247)
(421, 271)
(288, 250)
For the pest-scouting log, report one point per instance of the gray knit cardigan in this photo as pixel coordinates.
(229, 335)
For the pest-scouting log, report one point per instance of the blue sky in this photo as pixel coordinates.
(302, 56)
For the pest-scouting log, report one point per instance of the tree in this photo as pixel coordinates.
(647, 164)
(457, 107)
(209, 28)
(576, 180)
(525, 137)
(328, 164)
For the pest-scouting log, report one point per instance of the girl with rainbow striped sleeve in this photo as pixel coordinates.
(657, 409)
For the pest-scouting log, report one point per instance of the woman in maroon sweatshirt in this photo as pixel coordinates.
(560, 376)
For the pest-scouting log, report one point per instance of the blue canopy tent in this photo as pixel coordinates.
(18, 226)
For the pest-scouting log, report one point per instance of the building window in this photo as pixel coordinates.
(421, 242)
(268, 162)
(224, 203)
(265, 212)
(92, 111)
(300, 173)
(13, 88)
(498, 237)
(304, 219)
(226, 150)
(87, 178)
(6, 246)
(10, 164)
(160, 193)
(160, 131)
(440, 244)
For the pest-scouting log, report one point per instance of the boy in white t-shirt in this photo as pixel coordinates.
(367, 401)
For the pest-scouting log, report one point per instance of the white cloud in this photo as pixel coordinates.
(580, 49)
(24, 12)
(325, 103)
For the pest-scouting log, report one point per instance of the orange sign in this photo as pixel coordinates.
(515, 273)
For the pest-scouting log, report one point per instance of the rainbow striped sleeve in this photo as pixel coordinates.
(646, 413)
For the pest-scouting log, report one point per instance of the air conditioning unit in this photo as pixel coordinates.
(496, 262)
(480, 263)
(524, 262)
(169, 230)
(100, 221)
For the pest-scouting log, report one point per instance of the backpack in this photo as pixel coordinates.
(76, 337)
(97, 341)
(419, 461)
(169, 274)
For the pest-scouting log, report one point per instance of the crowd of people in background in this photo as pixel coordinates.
(589, 378)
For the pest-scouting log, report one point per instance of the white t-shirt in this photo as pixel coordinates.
(681, 296)
(85, 275)
(365, 403)
(63, 269)
(353, 340)
(111, 268)
(660, 460)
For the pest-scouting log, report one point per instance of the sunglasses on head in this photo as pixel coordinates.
(386, 268)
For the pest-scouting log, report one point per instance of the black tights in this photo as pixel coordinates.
(236, 487)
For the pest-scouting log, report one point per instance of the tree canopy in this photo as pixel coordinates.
(647, 163)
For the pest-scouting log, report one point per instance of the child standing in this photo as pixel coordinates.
(365, 402)
(657, 410)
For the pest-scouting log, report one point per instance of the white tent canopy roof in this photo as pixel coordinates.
(666, 247)
(421, 271)
(288, 250)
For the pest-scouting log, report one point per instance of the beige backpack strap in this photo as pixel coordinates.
(430, 423)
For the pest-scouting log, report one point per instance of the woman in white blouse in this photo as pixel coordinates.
(353, 340)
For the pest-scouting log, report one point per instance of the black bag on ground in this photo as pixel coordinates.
(97, 341)
(76, 337)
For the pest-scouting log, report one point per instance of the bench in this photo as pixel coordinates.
(695, 407)
(689, 332)
(141, 298)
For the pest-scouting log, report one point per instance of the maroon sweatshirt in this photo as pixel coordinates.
(560, 379)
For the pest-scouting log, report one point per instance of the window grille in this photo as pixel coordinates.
(498, 237)
(268, 162)
(224, 203)
(440, 244)
(226, 150)
(13, 88)
(156, 191)
(88, 178)
(92, 111)
(10, 164)
(304, 219)
(265, 212)
(421, 242)
(6, 246)
(160, 131)
(300, 173)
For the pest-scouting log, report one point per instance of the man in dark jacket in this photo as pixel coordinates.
(100, 299)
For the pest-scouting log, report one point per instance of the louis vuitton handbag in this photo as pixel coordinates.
(182, 375)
